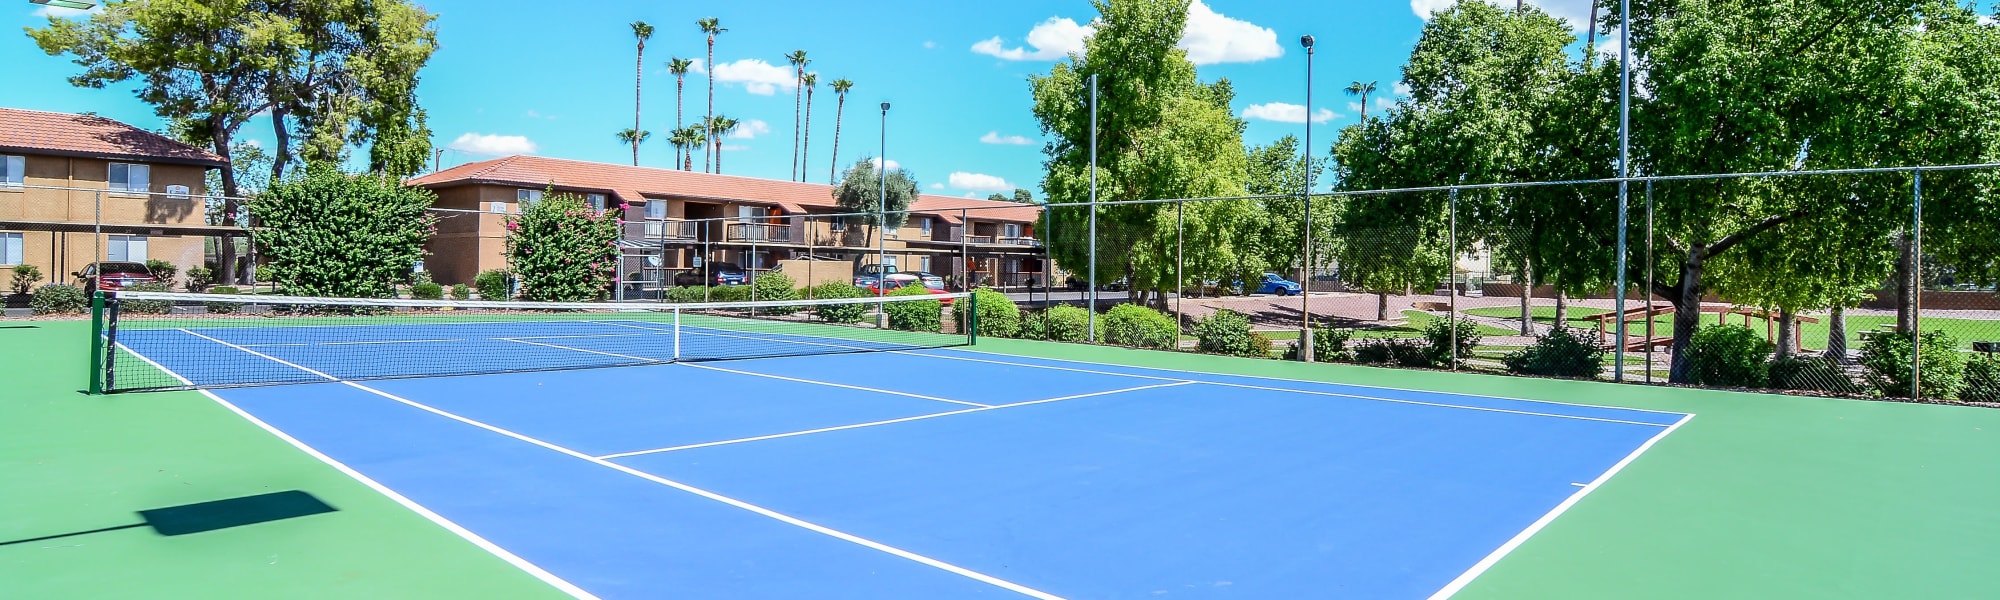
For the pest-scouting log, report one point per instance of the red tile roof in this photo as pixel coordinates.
(636, 184)
(91, 136)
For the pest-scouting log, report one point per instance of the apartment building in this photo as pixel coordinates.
(676, 220)
(76, 189)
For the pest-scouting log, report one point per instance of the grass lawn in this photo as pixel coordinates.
(1815, 334)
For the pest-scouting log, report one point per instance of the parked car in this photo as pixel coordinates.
(719, 273)
(866, 275)
(114, 276)
(931, 280)
(897, 281)
(1273, 283)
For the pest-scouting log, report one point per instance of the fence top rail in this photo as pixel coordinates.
(501, 304)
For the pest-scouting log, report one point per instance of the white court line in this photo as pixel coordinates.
(263, 356)
(1263, 377)
(491, 548)
(788, 519)
(275, 344)
(831, 384)
(1437, 404)
(1493, 558)
(626, 356)
(887, 422)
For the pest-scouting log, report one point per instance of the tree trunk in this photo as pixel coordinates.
(1527, 298)
(1836, 334)
(1562, 309)
(1381, 306)
(226, 247)
(638, 87)
(1788, 332)
(839, 109)
(680, 95)
(707, 124)
(1686, 298)
(798, 123)
(283, 136)
(1906, 287)
(805, 141)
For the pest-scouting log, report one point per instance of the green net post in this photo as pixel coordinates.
(972, 319)
(96, 343)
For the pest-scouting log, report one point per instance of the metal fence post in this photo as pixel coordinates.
(1917, 286)
(1618, 356)
(1649, 281)
(1090, 329)
(1450, 277)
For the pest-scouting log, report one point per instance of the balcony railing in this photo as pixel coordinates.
(993, 240)
(663, 230)
(758, 232)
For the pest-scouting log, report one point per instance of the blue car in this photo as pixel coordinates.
(1274, 284)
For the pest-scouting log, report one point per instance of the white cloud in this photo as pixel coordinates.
(1052, 39)
(538, 115)
(734, 148)
(1354, 107)
(937, 186)
(758, 77)
(493, 144)
(750, 129)
(994, 137)
(1400, 89)
(929, 44)
(1212, 38)
(65, 13)
(1989, 20)
(1209, 38)
(893, 165)
(1384, 103)
(1576, 12)
(253, 143)
(979, 182)
(1285, 113)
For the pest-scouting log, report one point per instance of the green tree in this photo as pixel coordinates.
(1161, 134)
(679, 67)
(338, 235)
(1279, 169)
(1023, 196)
(562, 250)
(840, 88)
(718, 127)
(641, 31)
(686, 139)
(1363, 90)
(860, 191)
(634, 137)
(711, 27)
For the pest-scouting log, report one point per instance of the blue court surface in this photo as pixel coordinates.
(949, 473)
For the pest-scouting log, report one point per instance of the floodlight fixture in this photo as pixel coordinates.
(71, 4)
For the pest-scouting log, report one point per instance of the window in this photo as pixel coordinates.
(126, 248)
(131, 178)
(840, 224)
(750, 214)
(596, 202)
(10, 248)
(527, 198)
(12, 168)
(926, 223)
(890, 263)
(656, 209)
(497, 207)
(924, 263)
(1013, 230)
(753, 260)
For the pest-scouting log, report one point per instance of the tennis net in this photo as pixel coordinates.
(157, 341)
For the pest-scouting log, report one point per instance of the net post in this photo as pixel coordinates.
(110, 343)
(972, 319)
(96, 385)
(677, 334)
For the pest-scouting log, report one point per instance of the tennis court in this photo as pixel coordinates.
(841, 465)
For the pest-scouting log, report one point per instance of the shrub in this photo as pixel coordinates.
(25, 278)
(1228, 332)
(332, 234)
(146, 307)
(164, 270)
(1811, 373)
(1886, 358)
(1068, 323)
(562, 250)
(729, 293)
(1403, 351)
(1438, 336)
(1329, 345)
(1728, 355)
(199, 278)
(221, 308)
(1982, 380)
(492, 285)
(1140, 327)
(58, 298)
(428, 290)
(1564, 352)
(773, 285)
(459, 291)
(998, 317)
(839, 313)
(915, 315)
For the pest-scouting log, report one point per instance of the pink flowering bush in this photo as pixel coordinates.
(562, 250)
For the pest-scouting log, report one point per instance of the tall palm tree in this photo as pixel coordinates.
(1363, 90)
(679, 68)
(712, 27)
(840, 87)
(808, 81)
(718, 127)
(633, 137)
(798, 60)
(642, 31)
(685, 139)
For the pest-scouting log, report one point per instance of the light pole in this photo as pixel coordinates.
(1624, 189)
(1090, 328)
(1305, 238)
(882, 223)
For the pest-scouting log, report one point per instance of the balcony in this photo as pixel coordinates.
(993, 240)
(758, 233)
(663, 230)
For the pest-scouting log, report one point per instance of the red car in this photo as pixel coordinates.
(899, 281)
(114, 276)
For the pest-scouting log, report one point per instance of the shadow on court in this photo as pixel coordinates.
(214, 514)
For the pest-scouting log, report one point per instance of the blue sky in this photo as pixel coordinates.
(555, 79)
